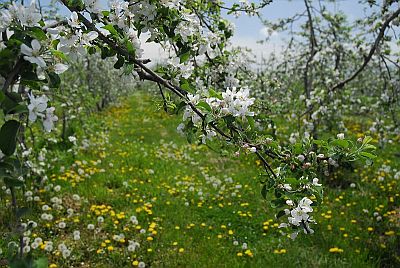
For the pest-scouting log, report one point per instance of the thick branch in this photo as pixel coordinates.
(374, 47)
(367, 59)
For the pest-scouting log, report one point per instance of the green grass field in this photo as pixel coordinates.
(195, 208)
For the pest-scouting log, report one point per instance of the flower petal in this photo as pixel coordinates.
(26, 50)
(59, 68)
(35, 45)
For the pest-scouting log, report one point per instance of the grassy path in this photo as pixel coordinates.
(186, 206)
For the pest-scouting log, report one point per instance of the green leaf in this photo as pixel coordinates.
(55, 80)
(215, 94)
(250, 119)
(19, 109)
(208, 119)
(8, 137)
(180, 106)
(184, 57)
(297, 148)
(369, 147)
(264, 191)
(91, 50)
(319, 193)
(271, 183)
(367, 139)
(106, 52)
(131, 49)
(341, 143)
(120, 62)
(186, 86)
(37, 33)
(29, 76)
(111, 29)
(368, 155)
(278, 193)
(10, 102)
(277, 202)
(128, 68)
(204, 106)
(280, 214)
(291, 180)
(77, 4)
(59, 54)
(320, 142)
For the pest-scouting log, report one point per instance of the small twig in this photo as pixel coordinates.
(163, 96)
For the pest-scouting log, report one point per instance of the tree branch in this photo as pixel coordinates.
(374, 47)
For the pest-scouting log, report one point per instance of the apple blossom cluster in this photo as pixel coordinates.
(184, 70)
(35, 54)
(28, 17)
(234, 102)
(189, 26)
(298, 216)
(141, 17)
(73, 44)
(38, 108)
(25, 16)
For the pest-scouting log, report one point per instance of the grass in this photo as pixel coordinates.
(196, 208)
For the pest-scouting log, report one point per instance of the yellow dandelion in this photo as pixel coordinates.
(335, 250)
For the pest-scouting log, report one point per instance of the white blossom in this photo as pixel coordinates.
(315, 182)
(50, 118)
(33, 54)
(340, 136)
(5, 19)
(59, 68)
(27, 16)
(73, 21)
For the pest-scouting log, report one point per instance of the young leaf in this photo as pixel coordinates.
(55, 80)
(204, 106)
(111, 29)
(264, 191)
(37, 33)
(8, 137)
(368, 155)
(341, 143)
